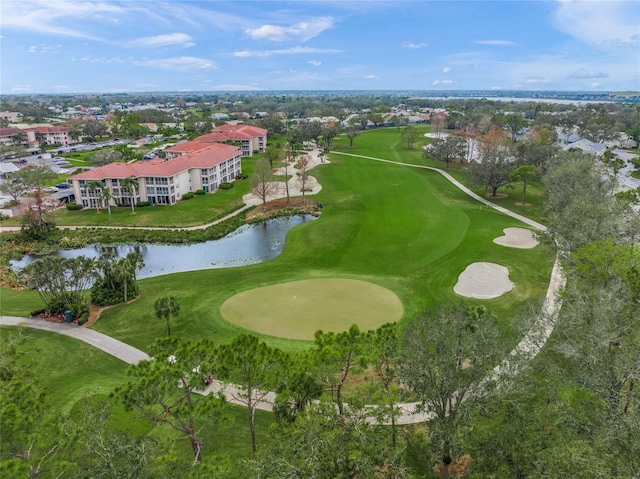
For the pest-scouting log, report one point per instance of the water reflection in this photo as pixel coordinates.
(249, 244)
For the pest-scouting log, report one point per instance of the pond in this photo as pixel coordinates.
(249, 244)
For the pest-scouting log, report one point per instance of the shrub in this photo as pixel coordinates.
(188, 196)
(200, 192)
(242, 176)
(143, 204)
(226, 186)
(73, 206)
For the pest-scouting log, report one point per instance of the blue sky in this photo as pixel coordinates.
(51, 46)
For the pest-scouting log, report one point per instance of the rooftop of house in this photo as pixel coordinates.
(212, 155)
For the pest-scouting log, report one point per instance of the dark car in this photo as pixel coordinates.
(63, 185)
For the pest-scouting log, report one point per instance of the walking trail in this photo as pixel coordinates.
(526, 350)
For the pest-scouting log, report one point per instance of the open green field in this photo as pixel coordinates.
(387, 144)
(408, 230)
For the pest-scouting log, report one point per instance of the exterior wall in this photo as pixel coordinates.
(162, 189)
(183, 183)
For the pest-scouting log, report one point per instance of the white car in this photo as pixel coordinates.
(51, 189)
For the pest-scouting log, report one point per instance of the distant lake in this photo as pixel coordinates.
(249, 244)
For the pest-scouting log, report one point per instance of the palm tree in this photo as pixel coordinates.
(127, 269)
(166, 307)
(105, 197)
(130, 184)
(96, 187)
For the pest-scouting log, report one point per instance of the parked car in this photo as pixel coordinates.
(51, 189)
(63, 185)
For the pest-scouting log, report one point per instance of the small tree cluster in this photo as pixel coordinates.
(117, 278)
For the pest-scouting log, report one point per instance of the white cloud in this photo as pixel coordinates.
(302, 31)
(21, 88)
(163, 40)
(59, 87)
(500, 43)
(584, 74)
(610, 23)
(315, 63)
(284, 51)
(180, 64)
(595, 85)
(415, 45)
(370, 77)
(442, 82)
(537, 80)
(446, 70)
(49, 17)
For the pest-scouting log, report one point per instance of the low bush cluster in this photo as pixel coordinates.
(188, 196)
(143, 204)
(200, 192)
(226, 186)
(73, 206)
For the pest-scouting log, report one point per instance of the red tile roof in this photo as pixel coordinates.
(51, 129)
(220, 134)
(9, 131)
(211, 155)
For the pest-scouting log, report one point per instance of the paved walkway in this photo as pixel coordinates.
(527, 349)
(116, 348)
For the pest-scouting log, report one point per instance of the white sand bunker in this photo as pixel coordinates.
(517, 238)
(483, 281)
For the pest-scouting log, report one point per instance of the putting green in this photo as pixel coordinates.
(296, 310)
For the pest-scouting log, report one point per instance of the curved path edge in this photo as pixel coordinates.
(411, 413)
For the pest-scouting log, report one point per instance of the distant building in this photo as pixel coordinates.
(586, 146)
(52, 135)
(12, 116)
(161, 181)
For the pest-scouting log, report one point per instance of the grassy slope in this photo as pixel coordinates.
(406, 229)
(81, 371)
(386, 144)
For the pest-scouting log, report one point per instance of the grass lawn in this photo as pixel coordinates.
(296, 309)
(72, 371)
(408, 230)
(387, 144)
(68, 368)
(198, 210)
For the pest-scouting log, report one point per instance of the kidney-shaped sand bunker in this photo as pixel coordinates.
(297, 309)
(483, 281)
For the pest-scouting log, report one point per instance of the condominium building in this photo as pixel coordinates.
(160, 181)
